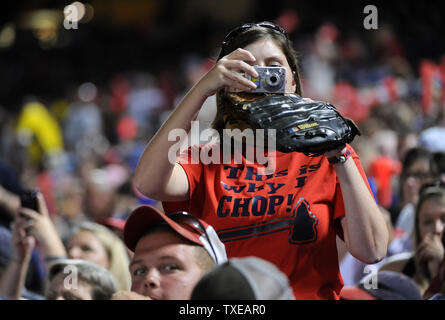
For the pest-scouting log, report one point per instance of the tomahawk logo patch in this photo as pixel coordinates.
(304, 226)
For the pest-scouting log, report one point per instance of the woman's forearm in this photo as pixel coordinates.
(51, 244)
(156, 164)
(13, 279)
(365, 230)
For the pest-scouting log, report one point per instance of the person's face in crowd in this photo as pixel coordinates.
(100, 203)
(85, 245)
(417, 174)
(71, 204)
(59, 290)
(164, 267)
(431, 218)
(268, 54)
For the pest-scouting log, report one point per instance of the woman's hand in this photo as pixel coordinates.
(430, 248)
(430, 252)
(42, 228)
(335, 153)
(39, 223)
(228, 73)
(22, 242)
(13, 279)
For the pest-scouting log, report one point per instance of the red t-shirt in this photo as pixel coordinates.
(288, 217)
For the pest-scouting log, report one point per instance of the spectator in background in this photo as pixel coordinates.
(99, 200)
(10, 203)
(144, 99)
(126, 200)
(433, 138)
(248, 278)
(385, 166)
(15, 257)
(71, 279)
(436, 290)
(101, 189)
(94, 242)
(424, 262)
(438, 165)
(319, 64)
(83, 123)
(90, 241)
(416, 170)
(40, 133)
(171, 253)
(70, 196)
(407, 141)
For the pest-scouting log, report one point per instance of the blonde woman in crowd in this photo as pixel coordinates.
(96, 243)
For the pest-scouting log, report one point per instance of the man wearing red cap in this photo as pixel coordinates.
(171, 253)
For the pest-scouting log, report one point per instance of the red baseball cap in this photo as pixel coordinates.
(185, 224)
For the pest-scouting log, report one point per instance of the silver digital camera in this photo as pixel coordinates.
(270, 79)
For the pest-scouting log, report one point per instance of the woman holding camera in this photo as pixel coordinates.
(290, 216)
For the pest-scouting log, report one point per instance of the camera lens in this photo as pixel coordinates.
(274, 82)
(273, 79)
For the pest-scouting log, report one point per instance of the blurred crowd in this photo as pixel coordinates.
(81, 149)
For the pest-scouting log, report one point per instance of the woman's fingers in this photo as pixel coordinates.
(229, 73)
(430, 248)
(43, 209)
(240, 67)
(237, 81)
(241, 54)
(234, 69)
(21, 223)
(29, 213)
(21, 237)
(234, 78)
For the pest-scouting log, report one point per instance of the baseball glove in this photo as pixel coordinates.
(302, 125)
